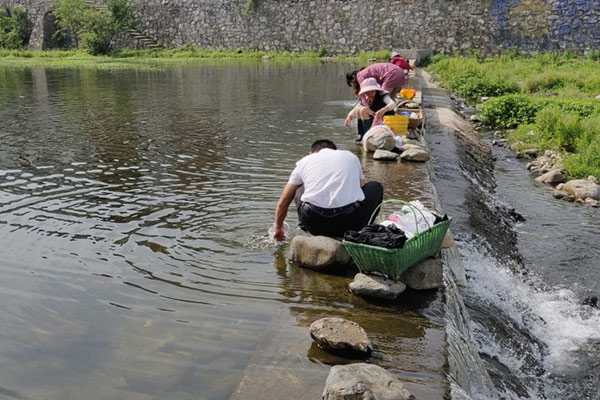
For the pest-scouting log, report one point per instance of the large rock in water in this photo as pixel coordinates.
(415, 154)
(338, 335)
(425, 275)
(384, 155)
(376, 286)
(318, 252)
(582, 189)
(363, 382)
(552, 176)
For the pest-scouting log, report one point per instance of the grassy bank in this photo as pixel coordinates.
(162, 59)
(546, 101)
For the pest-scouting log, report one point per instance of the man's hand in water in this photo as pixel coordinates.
(279, 234)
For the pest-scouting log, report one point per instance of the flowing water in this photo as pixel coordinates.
(530, 261)
(134, 210)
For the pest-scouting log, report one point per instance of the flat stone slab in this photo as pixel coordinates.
(363, 382)
(339, 335)
(385, 155)
(318, 252)
(376, 286)
(415, 154)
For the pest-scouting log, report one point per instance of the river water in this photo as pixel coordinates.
(134, 208)
(531, 261)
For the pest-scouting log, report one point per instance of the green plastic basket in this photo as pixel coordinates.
(393, 262)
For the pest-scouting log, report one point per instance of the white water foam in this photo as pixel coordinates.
(553, 316)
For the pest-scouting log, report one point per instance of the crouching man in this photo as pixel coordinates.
(326, 187)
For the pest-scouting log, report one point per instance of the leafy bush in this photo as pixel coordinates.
(586, 161)
(95, 28)
(512, 110)
(15, 28)
(558, 129)
(474, 86)
(509, 111)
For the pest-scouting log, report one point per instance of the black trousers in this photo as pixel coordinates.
(334, 222)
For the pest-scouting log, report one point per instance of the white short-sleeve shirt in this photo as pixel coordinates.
(331, 178)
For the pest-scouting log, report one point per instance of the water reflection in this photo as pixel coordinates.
(128, 201)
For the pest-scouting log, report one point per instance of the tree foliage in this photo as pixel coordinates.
(15, 28)
(95, 28)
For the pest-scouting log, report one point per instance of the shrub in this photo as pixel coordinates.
(512, 110)
(558, 129)
(587, 159)
(15, 28)
(95, 28)
(508, 111)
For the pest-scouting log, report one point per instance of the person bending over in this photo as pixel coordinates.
(326, 187)
(389, 76)
(373, 104)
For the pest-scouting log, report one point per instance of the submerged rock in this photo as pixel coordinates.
(559, 194)
(425, 275)
(582, 189)
(363, 382)
(591, 301)
(339, 335)
(318, 252)
(553, 176)
(385, 155)
(376, 286)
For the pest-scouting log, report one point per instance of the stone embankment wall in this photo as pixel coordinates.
(346, 26)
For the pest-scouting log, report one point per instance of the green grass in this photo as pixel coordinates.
(545, 101)
(162, 59)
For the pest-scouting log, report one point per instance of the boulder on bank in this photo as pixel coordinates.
(582, 189)
(318, 252)
(553, 176)
(338, 336)
(363, 382)
(425, 275)
(385, 155)
(414, 154)
(376, 286)
(546, 162)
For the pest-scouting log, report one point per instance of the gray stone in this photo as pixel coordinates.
(415, 154)
(592, 178)
(318, 252)
(376, 286)
(531, 152)
(560, 186)
(484, 98)
(592, 202)
(553, 176)
(582, 189)
(448, 241)
(339, 335)
(598, 97)
(559, 194)
(474, 118)
(363, 382)
(384, 155)
(380, 143)
(425, 275)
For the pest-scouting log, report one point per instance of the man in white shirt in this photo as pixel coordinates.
(326, 186)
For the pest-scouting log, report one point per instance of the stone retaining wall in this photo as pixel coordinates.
(346, 26)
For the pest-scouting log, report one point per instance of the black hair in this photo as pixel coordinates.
(352, 81)
(322, 144)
